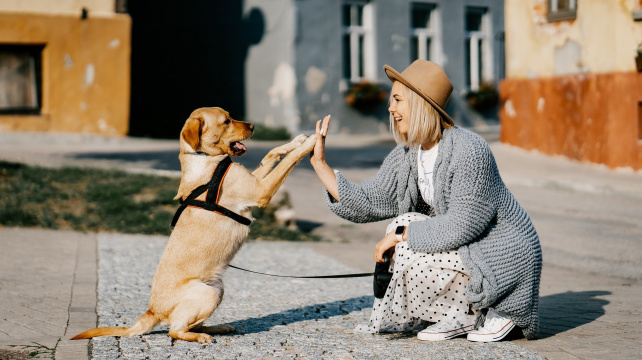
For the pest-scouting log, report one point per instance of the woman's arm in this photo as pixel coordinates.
(317, 159)
(373, 200)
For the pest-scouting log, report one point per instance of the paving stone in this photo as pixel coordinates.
(274, 317)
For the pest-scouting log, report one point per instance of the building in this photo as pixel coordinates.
(313, 52)
(571, 84)
(282, 63)
(64, 66)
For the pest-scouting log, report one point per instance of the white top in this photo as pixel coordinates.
(425, 166)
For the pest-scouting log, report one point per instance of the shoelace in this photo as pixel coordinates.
(453, 324)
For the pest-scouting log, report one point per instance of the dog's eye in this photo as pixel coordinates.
(227, 121)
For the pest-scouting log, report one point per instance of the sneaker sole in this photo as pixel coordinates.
(492, 337)
(446, 335)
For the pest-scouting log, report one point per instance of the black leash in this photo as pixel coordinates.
(307, 277)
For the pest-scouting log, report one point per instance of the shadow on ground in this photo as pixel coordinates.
(307, 313)
(569, 310)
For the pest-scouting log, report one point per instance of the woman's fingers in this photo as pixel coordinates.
(326, 124)
(388, 242)
(317, 154)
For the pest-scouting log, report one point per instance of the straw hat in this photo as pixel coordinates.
(428, 80)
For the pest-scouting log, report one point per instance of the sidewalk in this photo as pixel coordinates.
(47, 292)
(587, 218)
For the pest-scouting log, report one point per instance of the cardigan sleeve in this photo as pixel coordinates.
(375, 199)
(471, 208)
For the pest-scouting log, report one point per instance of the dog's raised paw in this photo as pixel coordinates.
(310, 142)
(299, 139)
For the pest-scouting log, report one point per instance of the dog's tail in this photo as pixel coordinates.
(145, 323)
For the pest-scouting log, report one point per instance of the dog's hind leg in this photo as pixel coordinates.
(191, 311)
(188, 315)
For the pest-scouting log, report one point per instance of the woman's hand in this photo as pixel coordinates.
(389, 241)
(317, 156)
(317, 159)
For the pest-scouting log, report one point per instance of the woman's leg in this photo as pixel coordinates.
(423, 287)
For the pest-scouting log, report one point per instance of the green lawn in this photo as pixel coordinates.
(86, 199)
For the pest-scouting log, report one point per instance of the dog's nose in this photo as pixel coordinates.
(251, 126)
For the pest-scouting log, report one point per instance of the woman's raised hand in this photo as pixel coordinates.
(317, 159)
(317, 156)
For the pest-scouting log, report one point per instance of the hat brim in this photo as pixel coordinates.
(394, 75)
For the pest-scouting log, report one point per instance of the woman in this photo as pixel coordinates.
(466, 255)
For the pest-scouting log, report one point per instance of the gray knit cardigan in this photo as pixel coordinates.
(474, 212)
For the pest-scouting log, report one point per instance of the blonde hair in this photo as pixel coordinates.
(425, 123)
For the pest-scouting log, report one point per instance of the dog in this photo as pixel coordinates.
(187, 286)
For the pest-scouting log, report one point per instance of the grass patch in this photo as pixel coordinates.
(86, 199)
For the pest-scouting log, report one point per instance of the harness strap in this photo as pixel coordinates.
(213, 189)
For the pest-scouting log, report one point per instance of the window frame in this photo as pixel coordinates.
(362, 64)
(434, 33)
(483, 71)
(35, 50)
(554, 14)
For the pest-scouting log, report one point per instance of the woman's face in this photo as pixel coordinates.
(400, 107)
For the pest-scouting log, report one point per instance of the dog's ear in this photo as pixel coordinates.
(191, 134)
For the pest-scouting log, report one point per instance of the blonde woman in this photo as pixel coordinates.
(466, 256)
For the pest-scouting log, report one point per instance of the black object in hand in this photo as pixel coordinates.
(382, 277)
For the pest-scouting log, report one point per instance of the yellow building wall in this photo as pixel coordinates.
(604, 30)
(85, 70)
(58, 6)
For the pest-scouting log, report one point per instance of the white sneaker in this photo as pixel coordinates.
(496, 327)
(448, 329)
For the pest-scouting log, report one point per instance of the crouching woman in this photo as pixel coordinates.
(466, 256)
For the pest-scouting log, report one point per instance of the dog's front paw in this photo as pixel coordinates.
(309, 143)
(298, 140)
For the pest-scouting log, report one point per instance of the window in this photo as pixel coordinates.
(479, 60)
(561, 10)
(20, 79)
(358, 41)
(425, 41)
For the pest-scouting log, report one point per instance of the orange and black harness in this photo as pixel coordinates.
(213, 190)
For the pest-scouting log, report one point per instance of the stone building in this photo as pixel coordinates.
(572, 87)
(87, 66)
(313, 52)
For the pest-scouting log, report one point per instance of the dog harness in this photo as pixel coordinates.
(213, 190)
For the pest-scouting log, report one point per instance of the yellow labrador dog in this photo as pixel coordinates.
(187, 286)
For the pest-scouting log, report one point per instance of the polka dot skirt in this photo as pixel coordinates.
(424, 286)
